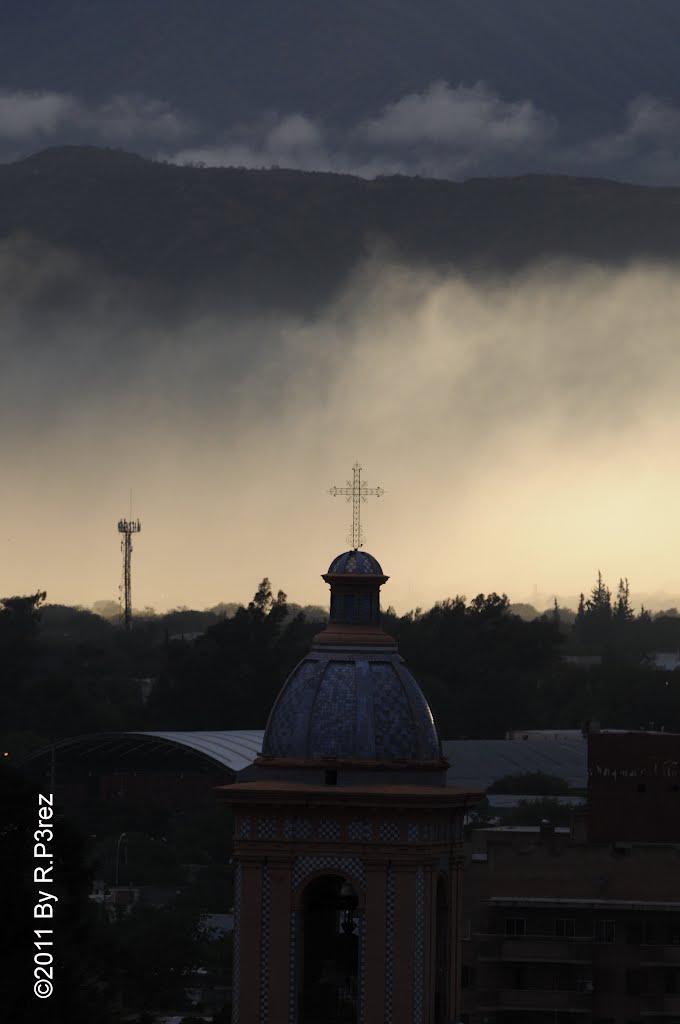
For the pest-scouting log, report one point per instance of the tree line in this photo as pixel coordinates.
(483, 669)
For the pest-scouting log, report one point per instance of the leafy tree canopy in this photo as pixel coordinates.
(531, 784)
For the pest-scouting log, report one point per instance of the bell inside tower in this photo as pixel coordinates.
(330, 960)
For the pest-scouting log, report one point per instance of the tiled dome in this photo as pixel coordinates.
(359, 562)
(351, 705)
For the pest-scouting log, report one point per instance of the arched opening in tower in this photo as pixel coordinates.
(330, 961)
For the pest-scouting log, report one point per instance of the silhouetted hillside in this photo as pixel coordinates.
(290, 238)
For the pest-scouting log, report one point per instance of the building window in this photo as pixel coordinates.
(634, 933)
(636, 982)
(467, 976)
(565, 927)
(671, 986)
(516, 926)
(520, 977)
(605, 931)
(467, 929)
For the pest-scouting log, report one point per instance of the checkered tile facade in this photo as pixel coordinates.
(297, 828)
(389, 945)
(266, 828)
(351, 867)
(360, 831)
(265, 926)
(237, 947)
(327, 829)
(389, 832)
(361, 980)
(426, 832)
(419, 953)
(293, 970)
(243, 826)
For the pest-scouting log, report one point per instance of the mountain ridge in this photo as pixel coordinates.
(290, 238)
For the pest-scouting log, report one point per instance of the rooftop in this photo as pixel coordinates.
(473, 763)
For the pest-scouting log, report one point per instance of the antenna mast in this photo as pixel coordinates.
(127, 527)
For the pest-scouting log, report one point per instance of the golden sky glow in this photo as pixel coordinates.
(525, 432)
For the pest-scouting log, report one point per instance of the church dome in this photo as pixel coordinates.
(351, 705)
(352, 697)
(355, 561)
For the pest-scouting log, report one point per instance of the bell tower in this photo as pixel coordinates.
(347, 845)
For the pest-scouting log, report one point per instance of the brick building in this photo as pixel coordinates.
(581, 924)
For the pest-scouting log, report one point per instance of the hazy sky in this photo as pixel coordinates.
(525, 433)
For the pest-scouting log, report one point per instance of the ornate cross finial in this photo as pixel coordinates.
(356, 493)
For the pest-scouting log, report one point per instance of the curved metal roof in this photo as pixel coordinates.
(231, 749)
(476, 763)
(482, 762)
(235, 749)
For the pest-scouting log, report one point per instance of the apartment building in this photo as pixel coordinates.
(558, 927)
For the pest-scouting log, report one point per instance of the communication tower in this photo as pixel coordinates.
(127, 527)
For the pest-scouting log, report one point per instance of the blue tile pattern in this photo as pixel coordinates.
(327, 829)
(293, 969)
(266, 828)
(265, 922)
(360, 832)
(292, 706)
(359, 562)
(350, 867)
(351, 705)
(395, 735)
(361, 980)
(236, 955)
(419, 953)
(302, 829)
(389, 832)
(389, 945)
(331, 728)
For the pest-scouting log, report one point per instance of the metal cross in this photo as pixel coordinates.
(356, 493)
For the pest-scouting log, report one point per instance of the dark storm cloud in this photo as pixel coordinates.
(456, 132)
(448, 131)
(39, 117)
